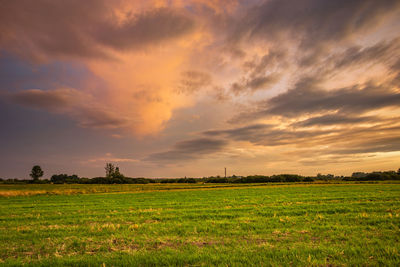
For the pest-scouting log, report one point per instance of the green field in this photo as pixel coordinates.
(279, 225)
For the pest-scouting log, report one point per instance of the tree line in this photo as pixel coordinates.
(114, 176)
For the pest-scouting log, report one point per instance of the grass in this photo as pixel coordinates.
(10, 190)
(297, 224)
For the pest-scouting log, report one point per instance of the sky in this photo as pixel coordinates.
(165, 88)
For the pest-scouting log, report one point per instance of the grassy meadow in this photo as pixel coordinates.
(201, 224)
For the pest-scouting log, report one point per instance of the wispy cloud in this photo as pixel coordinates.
(189, 150)
(306, 97)
(313, 22)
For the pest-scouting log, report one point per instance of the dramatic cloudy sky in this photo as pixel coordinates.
(170, 88)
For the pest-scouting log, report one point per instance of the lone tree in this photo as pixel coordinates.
(36, 173)
(110, 170)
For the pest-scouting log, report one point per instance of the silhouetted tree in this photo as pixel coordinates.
(110, 170)
(117, 173)
(36, 173)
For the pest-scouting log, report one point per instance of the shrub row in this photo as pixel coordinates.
(281, 178)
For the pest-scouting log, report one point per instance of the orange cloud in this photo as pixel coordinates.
(138, 48)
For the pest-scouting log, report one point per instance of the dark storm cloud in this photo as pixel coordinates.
(260, 82)
(189, 150)
(49, 100)
(89, 117)
(82, 28)
(357, 139)
(322, 66)
(313, 21)
(321, 33)
(307, 97)
(69, 102)
(334, 119)
(267, 135)
(307, 35)
(147, 28)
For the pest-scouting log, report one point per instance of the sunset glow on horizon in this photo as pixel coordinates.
(185, 88)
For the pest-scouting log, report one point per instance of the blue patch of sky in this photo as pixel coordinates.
(17, 74)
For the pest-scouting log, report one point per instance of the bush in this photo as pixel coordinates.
(64, 179)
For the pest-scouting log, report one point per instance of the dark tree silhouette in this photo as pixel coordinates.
(36, 173)
(110, 170)
(117, 173)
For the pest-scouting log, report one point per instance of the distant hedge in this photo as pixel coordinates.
(374, 176)
(281, 178)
